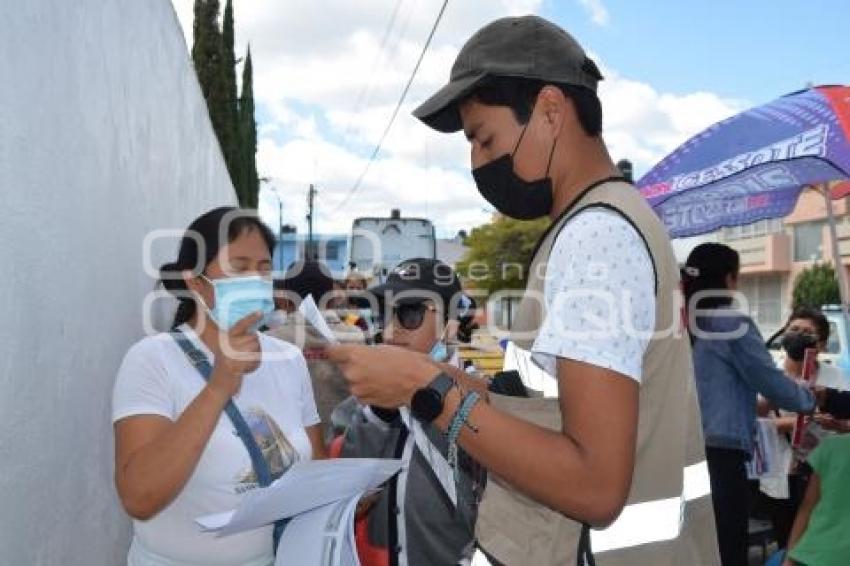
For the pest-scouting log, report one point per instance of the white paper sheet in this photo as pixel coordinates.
(323, 536)
(304, 487)
(311, 314)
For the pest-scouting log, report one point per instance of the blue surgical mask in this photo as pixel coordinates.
(439, 352)
(237, 297)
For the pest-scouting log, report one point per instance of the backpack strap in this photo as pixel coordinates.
(261, 468)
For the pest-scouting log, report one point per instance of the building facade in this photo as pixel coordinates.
(774, 252)
(331, 249)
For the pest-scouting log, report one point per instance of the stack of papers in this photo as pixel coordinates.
(320, 497)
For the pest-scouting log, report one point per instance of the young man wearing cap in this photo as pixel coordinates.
(621, 447)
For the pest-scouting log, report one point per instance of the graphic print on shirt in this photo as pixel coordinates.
(276, 447)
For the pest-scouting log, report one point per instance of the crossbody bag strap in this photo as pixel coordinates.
(261, 468)
(584, 555)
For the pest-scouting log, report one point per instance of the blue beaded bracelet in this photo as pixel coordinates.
(459, 419)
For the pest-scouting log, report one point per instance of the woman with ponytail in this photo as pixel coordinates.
(213, 409)
(732, 366)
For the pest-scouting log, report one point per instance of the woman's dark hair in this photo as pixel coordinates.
(707, 269)
(520, 95)
(200, 245)
(817, 318)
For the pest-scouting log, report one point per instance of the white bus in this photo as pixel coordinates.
(379, 244)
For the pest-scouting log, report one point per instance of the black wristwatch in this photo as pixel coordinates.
(427, 403)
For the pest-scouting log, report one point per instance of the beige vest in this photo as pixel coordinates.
(668, 518)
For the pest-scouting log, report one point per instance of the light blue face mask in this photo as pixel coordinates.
(439, 353)
(237, 297)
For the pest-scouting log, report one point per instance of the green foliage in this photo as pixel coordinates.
(215, 65)
(233, 155)
(248, 135)
(499, 253)
(816, 286)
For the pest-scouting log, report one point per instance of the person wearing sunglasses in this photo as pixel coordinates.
(425, 515)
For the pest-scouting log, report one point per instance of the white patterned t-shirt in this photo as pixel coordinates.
(599, 294)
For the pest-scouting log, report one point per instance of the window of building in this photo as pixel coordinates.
(332, 251)
(759, 228)
(764, 295)
(808, 241)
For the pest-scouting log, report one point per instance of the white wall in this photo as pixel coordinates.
(103, 136)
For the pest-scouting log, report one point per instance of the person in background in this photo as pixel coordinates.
(313, 278)
(820, 533)
(809, 328)
(833, 402)
(355, 281)
(806, 328)
(414, 522)
(308, 277)
(732, 366)
(357, 302)
(177, 456)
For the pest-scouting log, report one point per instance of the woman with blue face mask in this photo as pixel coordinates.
(213, 409)
(427, 513)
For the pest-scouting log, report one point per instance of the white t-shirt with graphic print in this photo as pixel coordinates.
(599, 294)
(277, 402)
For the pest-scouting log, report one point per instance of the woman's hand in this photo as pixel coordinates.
(237, 352)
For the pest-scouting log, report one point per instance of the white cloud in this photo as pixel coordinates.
(326, 91)
(597, 11)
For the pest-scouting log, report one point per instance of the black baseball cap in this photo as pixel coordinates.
(414, 281)
(527, 47)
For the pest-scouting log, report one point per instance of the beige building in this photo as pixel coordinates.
(774, 252)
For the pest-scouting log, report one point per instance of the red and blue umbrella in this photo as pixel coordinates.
(754, 165)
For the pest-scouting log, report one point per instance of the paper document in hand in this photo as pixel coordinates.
(311, 314)
(304, 487)
(323, 536)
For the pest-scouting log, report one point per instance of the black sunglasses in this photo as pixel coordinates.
(410, 317)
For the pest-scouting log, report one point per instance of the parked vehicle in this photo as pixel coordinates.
(379, 244)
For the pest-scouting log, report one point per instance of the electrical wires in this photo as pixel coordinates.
(404, 92)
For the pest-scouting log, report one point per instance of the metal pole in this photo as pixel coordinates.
(836, 253)
(308, 253)
(279, 231)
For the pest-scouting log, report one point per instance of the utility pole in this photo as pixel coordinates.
(276, 195)
(308, 252)
(625, 167)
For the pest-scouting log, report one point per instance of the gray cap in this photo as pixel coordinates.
(527, 47)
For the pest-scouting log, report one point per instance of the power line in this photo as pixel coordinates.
(377, 149)
(379, 56)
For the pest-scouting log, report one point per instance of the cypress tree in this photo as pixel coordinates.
(211, 65)
(234, 157)
(205, 46)
(248, 135)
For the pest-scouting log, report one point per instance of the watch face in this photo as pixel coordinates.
(426, 404)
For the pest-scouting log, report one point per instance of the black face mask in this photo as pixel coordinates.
(510, 194)
(795, 344)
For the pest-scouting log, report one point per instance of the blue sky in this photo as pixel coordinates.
(753, 50)
(673, 68)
